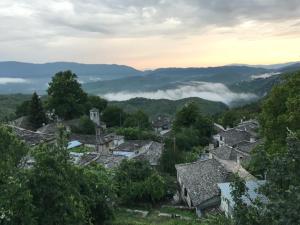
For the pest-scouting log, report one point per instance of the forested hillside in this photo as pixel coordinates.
(9, 103)
(168, 107)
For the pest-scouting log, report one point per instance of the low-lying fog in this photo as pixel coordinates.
(205, 90)
(11, 80)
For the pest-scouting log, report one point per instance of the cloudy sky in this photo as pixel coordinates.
(151, 33)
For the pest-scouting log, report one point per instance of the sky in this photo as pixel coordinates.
(149, 34)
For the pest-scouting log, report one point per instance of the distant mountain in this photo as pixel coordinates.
(169, 107)
(28, 77)
(104, 71)
(270, 66)
(259, 86)
(172, 77)
(291, 68)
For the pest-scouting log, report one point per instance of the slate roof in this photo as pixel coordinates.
(234, 136)
(87, 158)
(110, 161)
(201, 178)
(91, 139)
(132, 145)
(225, 152)
(249, 125)
(152, 153)
(246, 146)
(30, 137)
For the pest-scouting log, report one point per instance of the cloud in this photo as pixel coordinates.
(135, 17)
(124, 31)
(264, 75)
(9, 80)
(210, 91)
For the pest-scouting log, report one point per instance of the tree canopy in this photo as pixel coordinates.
(137, 181)
(113, 116)
(280, 113)
(66, 96)
(36, 113)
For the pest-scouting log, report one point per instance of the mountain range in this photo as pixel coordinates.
(227, 84)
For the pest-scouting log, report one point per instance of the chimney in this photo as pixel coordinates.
(210, 156)
(211, 147)
(252, 140)
(238, 160)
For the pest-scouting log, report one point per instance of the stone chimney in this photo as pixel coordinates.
(239, 159)
(252, 140)
(210, 155)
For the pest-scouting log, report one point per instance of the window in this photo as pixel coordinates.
(185, 192)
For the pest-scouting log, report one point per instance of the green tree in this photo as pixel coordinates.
(16, 206)
(85, 126)
(132, 133)
(230, 119)
(95, 102)
(187, 116)
(170, 156)
(113, 116)
(156, 187)
(245, 214)
(98, 192)
(36, 114)
(283, 186)
(55, 187)
(23, 109)
(280, 112)
(138, 119)
(66, 96)
(137, 181)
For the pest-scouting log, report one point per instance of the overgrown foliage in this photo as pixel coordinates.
(280, 113)
(113, 116)
(36, 114)
(16, 206)
(84, 126)
(132, 133)
(54, 191)
(137, 119)
(136, 181)
(278, 158)
(190, 131)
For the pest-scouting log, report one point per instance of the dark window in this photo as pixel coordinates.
(185, 192)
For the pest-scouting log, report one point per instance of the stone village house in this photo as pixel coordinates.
(199, 180)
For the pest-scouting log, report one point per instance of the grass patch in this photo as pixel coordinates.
(122, 217)
(181, 212)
